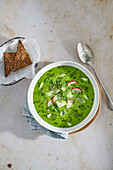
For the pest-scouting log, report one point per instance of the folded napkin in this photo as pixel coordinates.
(34, 125)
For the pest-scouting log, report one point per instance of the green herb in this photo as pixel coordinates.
(53, 116)
(64, 120)
(82, 107)
(55, 123)
(51, 75)
(84, 87)
(36, 102)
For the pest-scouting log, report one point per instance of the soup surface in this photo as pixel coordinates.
(63, 96)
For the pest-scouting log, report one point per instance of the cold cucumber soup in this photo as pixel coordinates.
(63, 96)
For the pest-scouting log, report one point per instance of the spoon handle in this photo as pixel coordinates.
(108, 98)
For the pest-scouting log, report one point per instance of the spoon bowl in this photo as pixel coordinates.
(86, 56)
(85, 53)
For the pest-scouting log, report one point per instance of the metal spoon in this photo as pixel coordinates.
(86, 55)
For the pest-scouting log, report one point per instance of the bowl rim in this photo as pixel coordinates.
(47, 125)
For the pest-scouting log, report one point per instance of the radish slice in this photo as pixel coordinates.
(81, 100)
(60, 104)
(55, 98)
(61, 75)
(76, 90)
(72, 82)
(85, 79)
(49, 103)
(69, 103)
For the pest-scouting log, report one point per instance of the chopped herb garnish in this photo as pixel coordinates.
(60, 103)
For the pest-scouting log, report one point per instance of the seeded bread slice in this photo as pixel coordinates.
(9, 59)
(22, 58)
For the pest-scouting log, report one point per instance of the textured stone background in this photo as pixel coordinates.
(57, 25)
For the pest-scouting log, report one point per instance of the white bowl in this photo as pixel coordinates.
(90, 115)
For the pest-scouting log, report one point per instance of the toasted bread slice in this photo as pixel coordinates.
(22, 58)
(9, 59)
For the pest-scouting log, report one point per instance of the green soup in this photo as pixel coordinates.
(63, 96)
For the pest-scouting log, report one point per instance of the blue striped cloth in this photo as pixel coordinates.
(34, 125)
